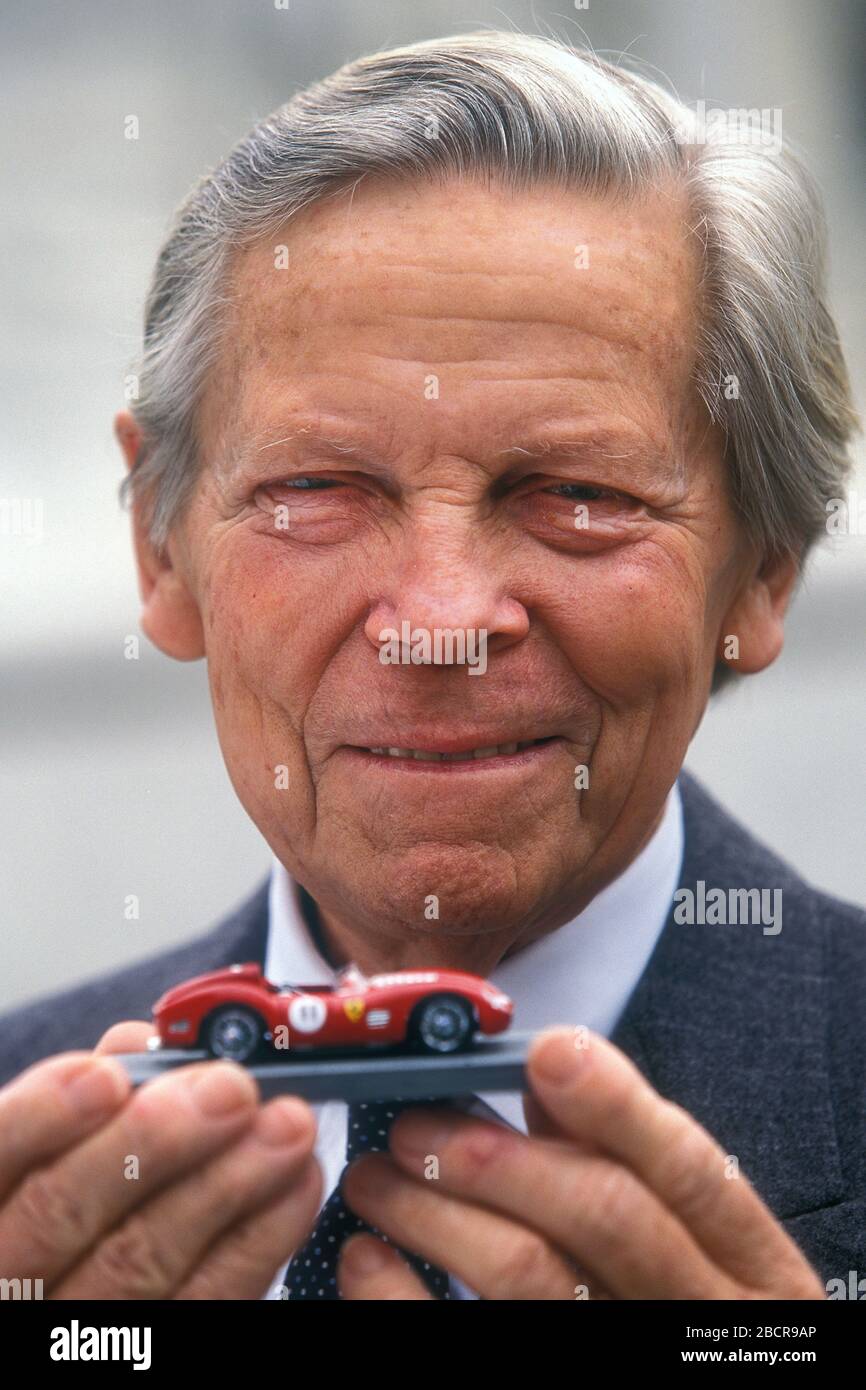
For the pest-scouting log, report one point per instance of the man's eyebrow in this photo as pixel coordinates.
(613, 446)
(256, 449)
(321, 441)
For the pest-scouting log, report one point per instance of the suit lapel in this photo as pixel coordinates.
(731, 1023)
(244, 936)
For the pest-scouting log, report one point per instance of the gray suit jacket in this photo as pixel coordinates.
(761, 1037)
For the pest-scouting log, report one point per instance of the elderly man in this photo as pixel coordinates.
(479, 337)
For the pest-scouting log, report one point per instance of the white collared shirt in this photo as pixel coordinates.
(581, 973)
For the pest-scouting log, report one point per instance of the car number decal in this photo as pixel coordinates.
(307, 1014)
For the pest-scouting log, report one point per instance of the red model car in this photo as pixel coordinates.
(235, 1012)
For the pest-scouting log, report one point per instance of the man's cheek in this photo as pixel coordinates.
(267, 767)
(636, 640)
(257, 732)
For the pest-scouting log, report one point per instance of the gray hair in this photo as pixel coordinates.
(527, 110)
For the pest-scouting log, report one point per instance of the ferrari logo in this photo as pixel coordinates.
(354, 1009)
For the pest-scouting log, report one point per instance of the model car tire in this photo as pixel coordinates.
(443, 1023)
(233, 1033)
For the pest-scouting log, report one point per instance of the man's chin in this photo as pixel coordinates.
(448, 889)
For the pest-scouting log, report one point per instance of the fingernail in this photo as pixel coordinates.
(368, 1176)
(96, 1090)
(364, 1257)
(419, 1133)
(280, 1124)
(558, 1062)
(222, 1088)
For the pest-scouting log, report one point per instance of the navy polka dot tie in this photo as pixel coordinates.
(312, 1271)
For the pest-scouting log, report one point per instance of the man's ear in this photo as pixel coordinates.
(753, 629)
(170, 616)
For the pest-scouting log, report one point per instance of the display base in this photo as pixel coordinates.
(492, 1064)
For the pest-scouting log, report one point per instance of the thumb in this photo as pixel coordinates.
(130, 1036)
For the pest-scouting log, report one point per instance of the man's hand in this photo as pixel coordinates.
(185, 1188)
(616, 1193)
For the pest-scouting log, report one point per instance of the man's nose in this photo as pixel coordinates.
(430, 593)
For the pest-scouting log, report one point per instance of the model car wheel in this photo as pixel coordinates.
(234, 1033)
(443, 1023)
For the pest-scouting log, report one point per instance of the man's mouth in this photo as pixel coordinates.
(481, 753)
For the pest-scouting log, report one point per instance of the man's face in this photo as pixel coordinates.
(512, 372)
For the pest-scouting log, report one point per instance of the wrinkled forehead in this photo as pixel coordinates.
(555, 291)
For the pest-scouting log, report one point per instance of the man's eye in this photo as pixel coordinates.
(578, 492)
(308, 483)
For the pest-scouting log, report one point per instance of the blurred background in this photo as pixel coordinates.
(111, 777)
